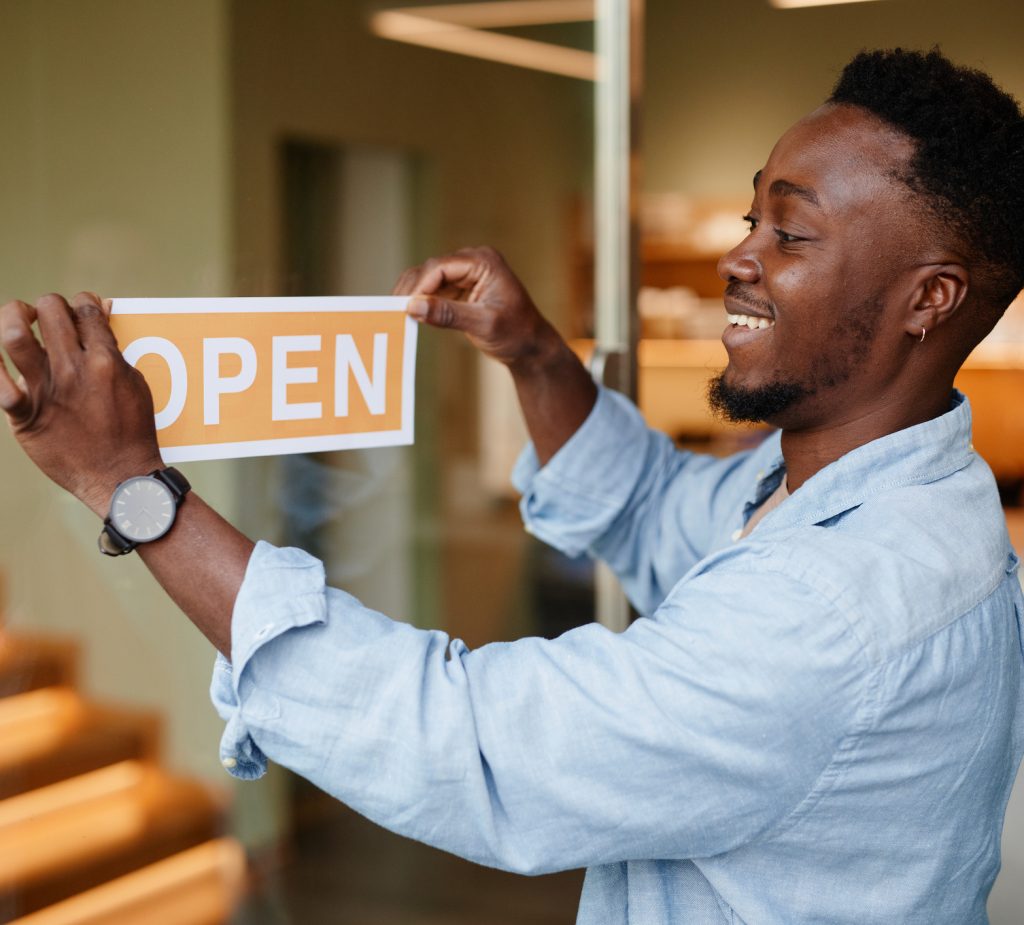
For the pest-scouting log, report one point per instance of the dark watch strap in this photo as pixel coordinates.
(112, 543)
(174, 480)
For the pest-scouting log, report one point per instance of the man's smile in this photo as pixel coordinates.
(742, 329)
(753, 322)
(748, 316)
(745, 323)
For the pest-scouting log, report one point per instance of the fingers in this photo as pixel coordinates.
(57, 329)
(21, 345)
(13, 401)
(447, 313)
(449, 276)
(406, 284)
(91, 321)
(452, 276)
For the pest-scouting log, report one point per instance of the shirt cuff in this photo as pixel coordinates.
(283, 589)
(571, 501)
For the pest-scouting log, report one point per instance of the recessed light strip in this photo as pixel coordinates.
(504, 13)
(797, 4)
(458, 28)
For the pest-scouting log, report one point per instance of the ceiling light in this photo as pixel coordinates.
(459, 28)
(794, 4)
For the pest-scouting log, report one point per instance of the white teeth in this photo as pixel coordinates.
(750, 321)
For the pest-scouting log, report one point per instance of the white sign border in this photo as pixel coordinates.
(300, 304)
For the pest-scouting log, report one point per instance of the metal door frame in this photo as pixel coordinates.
(619, 41)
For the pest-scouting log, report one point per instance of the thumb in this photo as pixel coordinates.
(468, 317)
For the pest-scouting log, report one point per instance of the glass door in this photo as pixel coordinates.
(293, 147)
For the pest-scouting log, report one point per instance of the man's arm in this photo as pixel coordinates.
(512, 755)
(620, 491)
(475, 292)
(85, 417)
(687, 735)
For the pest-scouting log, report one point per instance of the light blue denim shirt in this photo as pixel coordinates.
(818, 723)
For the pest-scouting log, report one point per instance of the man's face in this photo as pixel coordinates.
(831, 231)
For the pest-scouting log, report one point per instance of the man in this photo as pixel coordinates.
(821, 715)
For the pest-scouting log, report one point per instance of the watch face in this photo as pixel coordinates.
(142, 509)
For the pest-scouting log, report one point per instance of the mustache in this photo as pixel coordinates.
(736, 291)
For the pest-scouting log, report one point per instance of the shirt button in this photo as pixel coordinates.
(262, 634)
(736, 534)
(760, 475)
(229, 763)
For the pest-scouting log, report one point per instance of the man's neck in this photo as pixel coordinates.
(808, 450)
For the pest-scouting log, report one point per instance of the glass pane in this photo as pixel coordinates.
(275, 148)
(296, 147)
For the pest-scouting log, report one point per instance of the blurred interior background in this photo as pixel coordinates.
(300, 147)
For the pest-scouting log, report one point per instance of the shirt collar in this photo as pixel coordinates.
(914, 456)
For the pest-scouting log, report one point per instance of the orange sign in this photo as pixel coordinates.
(253, 377)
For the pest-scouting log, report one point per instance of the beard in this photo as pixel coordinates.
(765, 403)
(742, 406)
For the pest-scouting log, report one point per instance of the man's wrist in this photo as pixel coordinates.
(548, 354)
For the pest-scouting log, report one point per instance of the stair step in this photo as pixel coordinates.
(196, 887)
(29, 662)
(68, 837)
(52, 734)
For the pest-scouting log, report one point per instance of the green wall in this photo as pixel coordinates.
(113, 177)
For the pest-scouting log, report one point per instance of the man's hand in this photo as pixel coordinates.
(475, 292)
(81, 413)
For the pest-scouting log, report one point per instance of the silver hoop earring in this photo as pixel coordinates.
(924, 331)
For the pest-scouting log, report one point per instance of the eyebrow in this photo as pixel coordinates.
(786, 188)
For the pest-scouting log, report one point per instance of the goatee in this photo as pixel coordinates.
(740, 405)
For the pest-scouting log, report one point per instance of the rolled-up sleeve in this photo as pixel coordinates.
(571, 501)
(679, 738)
(622, 492)
(283, 590)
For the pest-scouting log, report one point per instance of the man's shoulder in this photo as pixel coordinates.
(899, 567)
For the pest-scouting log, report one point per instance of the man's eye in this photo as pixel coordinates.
(751, 222)
(786, 238)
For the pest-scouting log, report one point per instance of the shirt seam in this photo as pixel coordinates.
(835, 596)
(918, 477)
(960, 614)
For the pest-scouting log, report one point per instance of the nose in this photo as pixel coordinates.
(740, 263)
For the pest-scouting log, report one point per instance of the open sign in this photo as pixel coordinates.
(253, 377)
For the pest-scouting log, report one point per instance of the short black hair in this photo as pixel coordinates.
(968, 162)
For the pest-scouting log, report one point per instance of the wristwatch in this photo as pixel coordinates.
(142, 509)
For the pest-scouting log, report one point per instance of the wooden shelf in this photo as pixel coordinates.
(673, 378)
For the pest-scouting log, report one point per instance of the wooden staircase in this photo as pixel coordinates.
(92, 830)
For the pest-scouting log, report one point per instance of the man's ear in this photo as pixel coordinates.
(939, 290)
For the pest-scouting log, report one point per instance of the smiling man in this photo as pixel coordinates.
(820, 715)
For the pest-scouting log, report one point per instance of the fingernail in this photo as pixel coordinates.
(418, 308)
